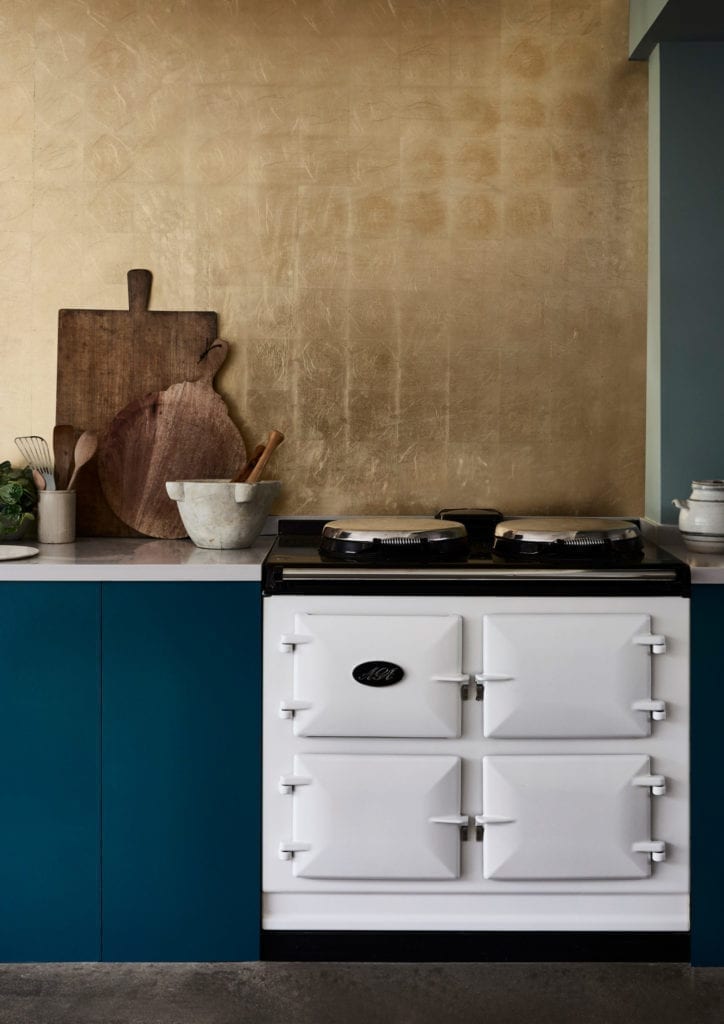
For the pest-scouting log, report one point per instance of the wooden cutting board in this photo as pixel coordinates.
(182, 433)
(107, 358)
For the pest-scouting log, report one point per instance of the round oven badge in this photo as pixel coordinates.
(378, 673)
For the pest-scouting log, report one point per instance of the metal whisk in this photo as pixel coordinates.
(36, 453)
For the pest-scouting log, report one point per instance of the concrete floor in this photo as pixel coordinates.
(277, 993)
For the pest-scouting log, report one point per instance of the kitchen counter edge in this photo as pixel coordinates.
(96, 559)
(705, 567)
(146, 559)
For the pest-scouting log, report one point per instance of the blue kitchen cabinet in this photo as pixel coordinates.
(707, 776)
(49, 771)
(181, 771)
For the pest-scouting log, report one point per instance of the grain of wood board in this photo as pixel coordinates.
(106, 359)
(181, 433)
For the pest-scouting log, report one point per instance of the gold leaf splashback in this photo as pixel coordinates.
(422, 223)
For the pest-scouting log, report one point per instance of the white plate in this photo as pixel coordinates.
(10, 551)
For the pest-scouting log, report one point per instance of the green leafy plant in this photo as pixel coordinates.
(18, 501)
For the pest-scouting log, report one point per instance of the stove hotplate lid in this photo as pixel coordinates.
(387, 536)
(562, 535)
(567, 529)
(393, 529)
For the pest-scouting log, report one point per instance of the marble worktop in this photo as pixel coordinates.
(110, 558)
(135, 559)
(705, 567)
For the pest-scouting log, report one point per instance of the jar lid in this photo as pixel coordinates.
(708, 485)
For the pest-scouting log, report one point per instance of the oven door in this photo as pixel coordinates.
(568, 675)
(377, 675)
(567, 817)
(375, 816)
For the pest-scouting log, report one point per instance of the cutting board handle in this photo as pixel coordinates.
(211, 359)
(139, 290)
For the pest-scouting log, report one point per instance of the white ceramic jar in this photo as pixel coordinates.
(701, 516)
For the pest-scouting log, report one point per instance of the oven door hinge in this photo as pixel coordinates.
(463, 822)
(288, 641)
(288, 708)
(656, 707)
(655, 641)
(289, 848)
(656, 847)
(461, 679)
(287, 783)
(656, 783)
(481, 678)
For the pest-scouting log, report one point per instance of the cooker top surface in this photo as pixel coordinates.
(301, 543)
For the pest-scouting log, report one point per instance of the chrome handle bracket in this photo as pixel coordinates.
(481, 678)
(288, 708)
(656, 783)
(289, 641)
(656, 708)
(463, 822)
(460, 679)
(655, 641)
(289, 848)
(656, 847)
(288, 783)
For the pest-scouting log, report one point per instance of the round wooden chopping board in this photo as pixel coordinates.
(182, 433)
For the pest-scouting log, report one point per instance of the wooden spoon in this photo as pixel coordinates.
(63, 444)
(38, 480)
(85, 449)
(243, 473)
(275, 439)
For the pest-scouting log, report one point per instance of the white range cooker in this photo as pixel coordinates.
(472, 735)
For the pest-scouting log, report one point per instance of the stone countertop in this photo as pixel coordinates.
(145, 559)
(705, 567)
(135, 559)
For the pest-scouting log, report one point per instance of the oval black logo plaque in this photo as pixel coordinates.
(378, 673)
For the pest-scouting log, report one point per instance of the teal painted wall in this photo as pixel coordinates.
(691, 259)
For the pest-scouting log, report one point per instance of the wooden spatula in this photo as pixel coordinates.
(275, 439)
(63, 445)
(85, 448)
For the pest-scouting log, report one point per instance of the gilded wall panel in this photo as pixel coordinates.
(422, 223)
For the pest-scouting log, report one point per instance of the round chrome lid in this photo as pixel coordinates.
(394, 529)
(557, 529)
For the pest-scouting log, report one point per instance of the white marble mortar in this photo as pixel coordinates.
(219, 514)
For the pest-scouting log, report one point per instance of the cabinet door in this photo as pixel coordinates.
(378, 675)
(49, 771)
(567, 816)
(376, 816)
(558, 675)
(181, 771)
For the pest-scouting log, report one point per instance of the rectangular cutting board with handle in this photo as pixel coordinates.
(107, 358)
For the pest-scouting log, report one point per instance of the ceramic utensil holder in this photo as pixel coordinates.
(56, 517)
